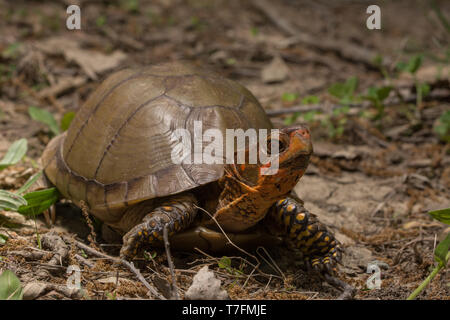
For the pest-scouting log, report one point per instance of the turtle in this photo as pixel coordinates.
(117, 159)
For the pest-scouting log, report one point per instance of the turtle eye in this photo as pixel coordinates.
(281, 146)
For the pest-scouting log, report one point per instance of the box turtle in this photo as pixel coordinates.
(116, 157)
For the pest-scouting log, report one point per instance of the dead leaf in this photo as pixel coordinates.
(92, 62)
(63, 84)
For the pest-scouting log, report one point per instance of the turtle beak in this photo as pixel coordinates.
(299, 148)
(301, 141)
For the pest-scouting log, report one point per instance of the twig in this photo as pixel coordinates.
(348, 290)
(272, 262)
(170, 262)
(226, 236)
(129, 265)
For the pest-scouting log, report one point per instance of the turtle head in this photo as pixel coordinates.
(294, 148)
(287, 163)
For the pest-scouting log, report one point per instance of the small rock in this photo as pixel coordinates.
(205, 286)
(34, 290)
(275, 71)
(357, 257)
(411, 225)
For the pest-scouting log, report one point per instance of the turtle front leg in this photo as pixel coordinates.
(177, 212)
(302, 230)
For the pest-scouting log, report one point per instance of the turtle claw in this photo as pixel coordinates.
(177, 213)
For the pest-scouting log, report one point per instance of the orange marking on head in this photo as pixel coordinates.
(290, 208)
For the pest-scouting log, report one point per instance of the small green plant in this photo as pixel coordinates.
(254, 31)
(197, 23)
(149, 255)
(3, 238)
(45, 117)
(413, 64)
(377, 96)
(14, 154)
(225, 263)
(66, 120)
(100, 21)
(111, 296)
(289, 97)
(345, 91)
(32, 203)
(308, 116)
(10, 286)
(442, 128)
(441, 253)
(131, 6)
(12, 51)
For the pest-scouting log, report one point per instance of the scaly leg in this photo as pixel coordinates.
(176, 212)
(302, 230)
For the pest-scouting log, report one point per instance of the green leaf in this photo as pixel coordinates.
(424, 89)
(12, 51)
(351, 85)
(309, 116)
(254, 31)
(414, 63)
(378, 60)
(383, 92)
(39, 201)
(10, 286)
(67, 120)
(337, 89)
(225, 263)
(344, 91)
(45, 117)
(3, 238)
(100, 22)
(15, 152)
(440, 254)
(442, 215)
(30, 182)
(290, 120)
(289, 97)
(11, 201)
(401, 66)
(310, 100)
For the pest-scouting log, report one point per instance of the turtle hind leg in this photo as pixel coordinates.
(177, 212)
(302, 230)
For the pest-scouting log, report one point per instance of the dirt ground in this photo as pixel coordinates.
(372, 185)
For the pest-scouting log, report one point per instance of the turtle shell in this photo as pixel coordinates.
(117, 151)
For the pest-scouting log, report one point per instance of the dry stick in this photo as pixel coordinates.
(226, 236)
(129, 265)
(272, 262)
(170, 262)
(255, 267)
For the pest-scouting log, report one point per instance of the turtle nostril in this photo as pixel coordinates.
(304, 133)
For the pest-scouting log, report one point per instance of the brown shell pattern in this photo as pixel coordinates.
(118, 148)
